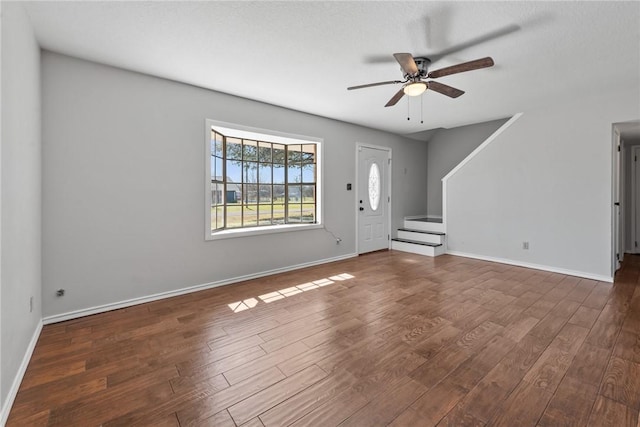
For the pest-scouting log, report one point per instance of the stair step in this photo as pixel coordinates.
(420, 236)
(421, 248)
(432, 225)
(428, 219)
(437, 233)
(415, 242)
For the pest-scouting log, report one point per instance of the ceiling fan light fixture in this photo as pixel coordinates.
(415, 88)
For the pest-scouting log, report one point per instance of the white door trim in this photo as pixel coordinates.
(359, 146)
(616, 199)
(635, 151)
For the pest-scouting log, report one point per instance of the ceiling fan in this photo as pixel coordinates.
(416, 70)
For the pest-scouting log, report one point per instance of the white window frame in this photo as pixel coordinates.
(269, 136)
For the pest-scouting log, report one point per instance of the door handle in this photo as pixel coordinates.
(361, 208)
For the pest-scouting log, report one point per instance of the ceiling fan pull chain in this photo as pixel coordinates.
(408, 102)
(421, 111)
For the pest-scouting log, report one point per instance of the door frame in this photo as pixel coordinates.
(616, 178)
(359, 146)
(635, 172)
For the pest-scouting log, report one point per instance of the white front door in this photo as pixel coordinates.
(373, 198)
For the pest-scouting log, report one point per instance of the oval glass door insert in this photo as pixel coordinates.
(374, 186)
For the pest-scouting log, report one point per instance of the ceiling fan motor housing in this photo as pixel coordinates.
(423, 67)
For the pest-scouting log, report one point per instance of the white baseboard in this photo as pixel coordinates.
(141, 300)
(13, 391)
(534, 266)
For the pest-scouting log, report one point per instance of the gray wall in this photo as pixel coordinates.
(123, 184)
(445, 150)
(20, 192)
(547, 180)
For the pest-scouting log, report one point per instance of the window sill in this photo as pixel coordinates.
(246, 232)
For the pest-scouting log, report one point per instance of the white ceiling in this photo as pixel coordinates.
(303, 55)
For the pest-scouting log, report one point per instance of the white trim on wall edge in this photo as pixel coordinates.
(534, 266)
(17, 380)
(162, 295)
(506, 125)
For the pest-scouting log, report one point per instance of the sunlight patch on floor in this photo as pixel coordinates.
(243, 305)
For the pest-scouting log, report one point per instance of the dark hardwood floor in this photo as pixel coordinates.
(388, 338)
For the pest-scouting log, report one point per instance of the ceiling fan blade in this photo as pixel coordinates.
(407, 63)
(390, 82)
(460, 68)
(394, 100)
(451, 92)
(473, 42)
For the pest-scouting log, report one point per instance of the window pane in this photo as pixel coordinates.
(278, 213)
(308, 213)
(234, 148)
(220, 215)
(264, 173)
(265, 194)
(309, 193)
(294, 151)
(219, 171)
(250, 214)
(250, 194)
(374, 186)
(234, 218)
(250, 172)
(309, 173)
(278, 174)
(213, 168)
(295, 193)
(264, 214)
(213, 218)
(234, 173)
(278, 193)
(217, 198)
(308, 153)
(295, 174)
(264, 152)
(218, 145)
(294, 212)
(250, 150)
(278, 153)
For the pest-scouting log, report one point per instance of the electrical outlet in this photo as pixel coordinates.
(30, 304)
(525, 245)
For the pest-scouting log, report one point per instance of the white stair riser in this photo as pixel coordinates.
(418, 249)
(421, 237)
(436, 227)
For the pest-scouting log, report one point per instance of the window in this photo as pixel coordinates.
(260, 181)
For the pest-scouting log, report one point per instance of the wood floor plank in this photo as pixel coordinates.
(299, 405)
(393, 338)
(262, 401)
(523, 407)
(570, 405)
(385, 408)
(196, 413)
(432, 406)
(621, 382)
(589, 364)
(609, 413)
(259, 364)
(334, 411)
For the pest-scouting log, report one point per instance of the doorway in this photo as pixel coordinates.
(373, 167)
